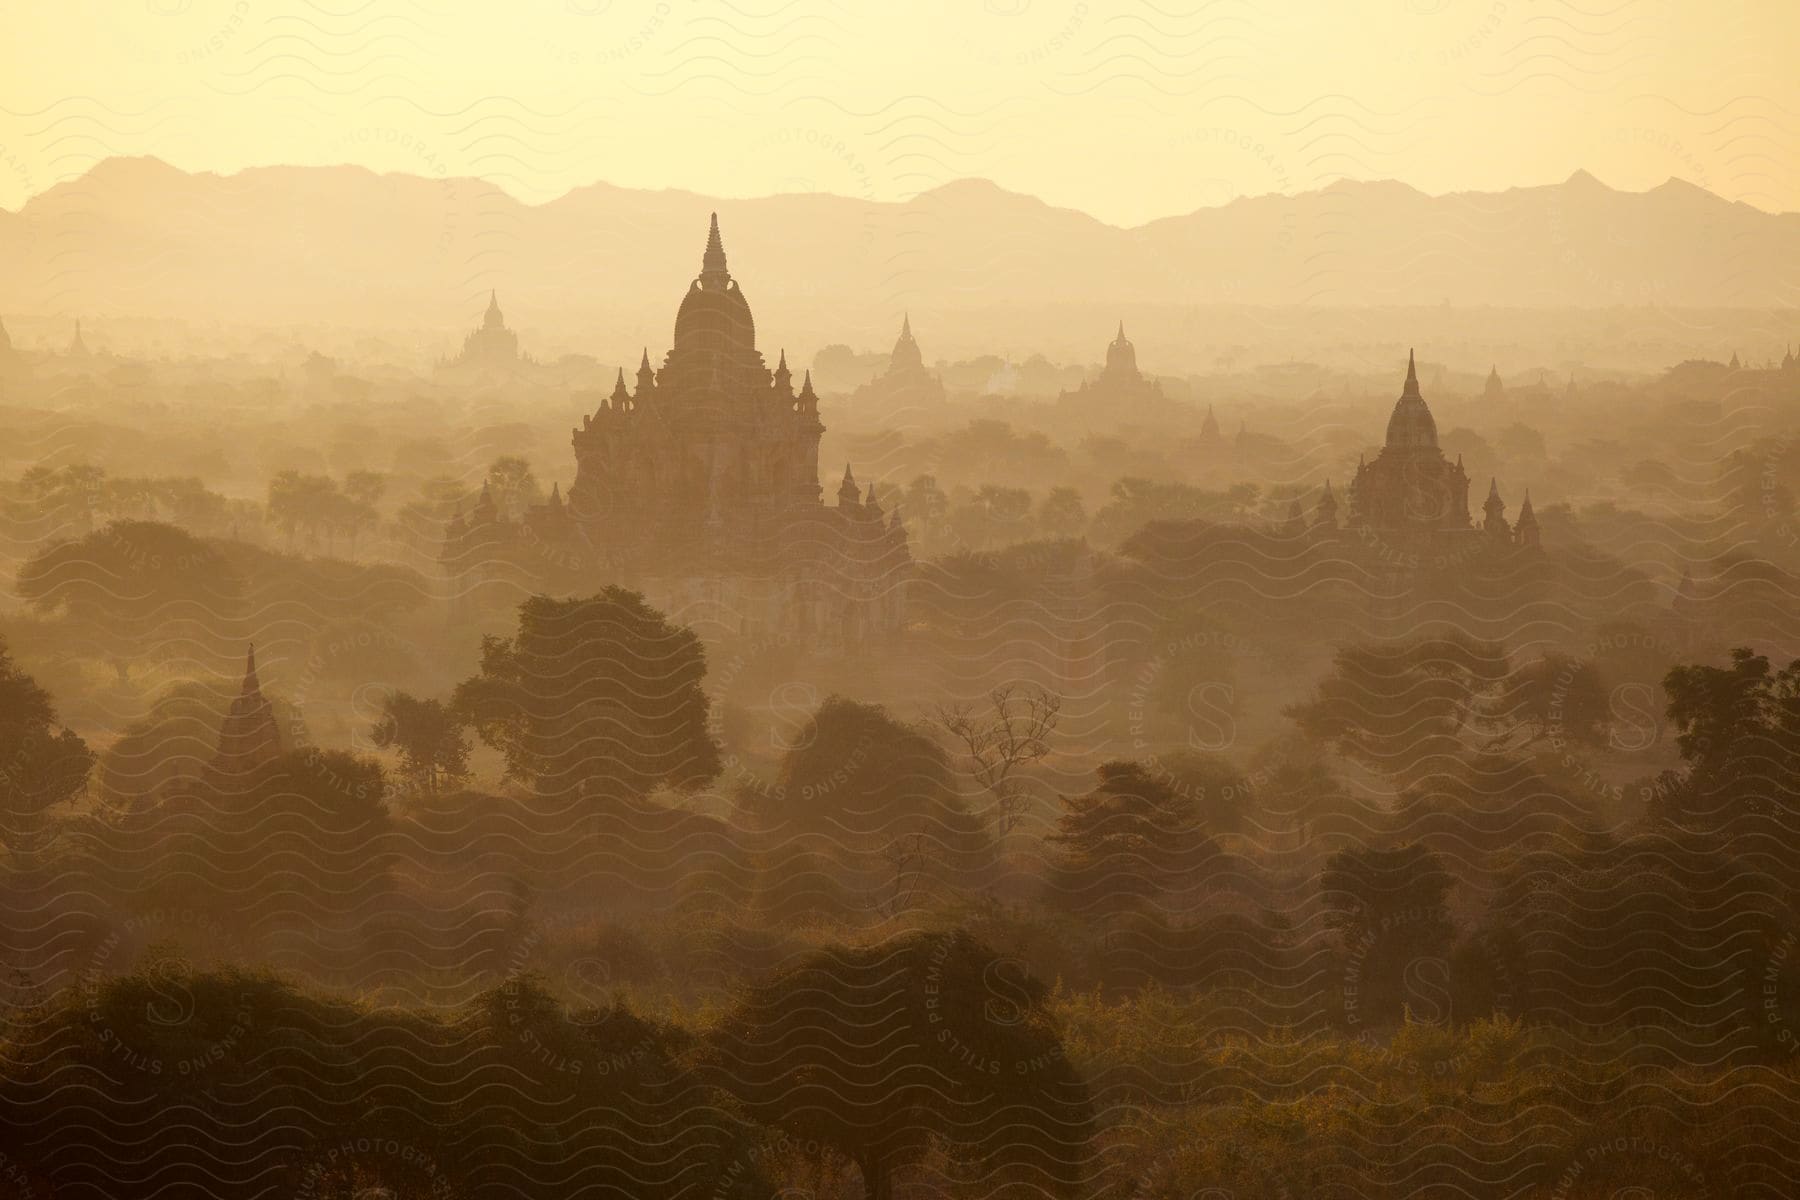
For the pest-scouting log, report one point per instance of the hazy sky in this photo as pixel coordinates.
(1129, 111)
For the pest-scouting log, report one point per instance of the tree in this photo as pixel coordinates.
(314, 503)
(42, 764)
(1395, 708)
(434, 751)
(513, 485)
(993, 516)
(140, 588)
(882, 1052)
(1559, 697)
(1388, 910)
(362, 492)
(870, 797)
(1123, 845)
(1062, 514)
(69, 495)
(1015, 735)
(924, 505)
(594, 696)
(1738, 727)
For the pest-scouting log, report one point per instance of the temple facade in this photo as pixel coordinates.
(906, 382)
(1119, 380)
(1411, 493)
(700, 487)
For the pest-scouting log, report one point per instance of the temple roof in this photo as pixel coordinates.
(714, 314)
(1411, 427)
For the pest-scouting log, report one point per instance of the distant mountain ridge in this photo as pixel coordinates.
(341, 245)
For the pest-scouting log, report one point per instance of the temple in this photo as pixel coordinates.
(248, 737)
(906, 381)
(1120, 379)
(1410, 492)
(492, 344)
(1494, 390)
(700, 487)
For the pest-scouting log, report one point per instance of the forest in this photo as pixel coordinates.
(1186, 839)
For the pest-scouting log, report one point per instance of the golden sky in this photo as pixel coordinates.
(1129, 111)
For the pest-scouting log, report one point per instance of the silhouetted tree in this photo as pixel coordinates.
(1015, 734)
(1739, 730)
(1124, 844)
(924, 506)
(141, 589)
(599, 695)
(1062, 514)
(434, 750)
(1388, 910)
(871, 797)
(513, 484)
(42, 764)
(930, 1039)
(1394, 708)
(1559, 697)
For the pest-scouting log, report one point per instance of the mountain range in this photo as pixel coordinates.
(606, 266)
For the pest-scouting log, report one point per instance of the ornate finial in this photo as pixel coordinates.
(906, 325)
(1412, 376)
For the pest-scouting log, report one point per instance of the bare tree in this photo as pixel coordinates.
(1015, 733)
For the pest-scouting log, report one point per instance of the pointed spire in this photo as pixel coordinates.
(251, 687)
(806, 393)
(712, 264)
(1493, 485)
(1412, 376)
(906, 325)
(848, 493)
(1121, 336)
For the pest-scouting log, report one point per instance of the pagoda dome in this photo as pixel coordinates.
(714, 315)
(1412, 426)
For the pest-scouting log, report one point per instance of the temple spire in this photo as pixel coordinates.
(712, 264)
(251, 686)
(1412, 376)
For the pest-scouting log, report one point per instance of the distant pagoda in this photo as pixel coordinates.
(249, 737)
(1411, 492)
(492, 344)
(700, 486)
(1120, 380)
(906, 381)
